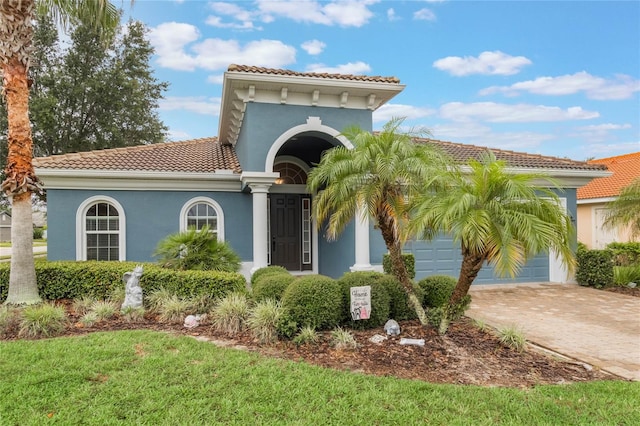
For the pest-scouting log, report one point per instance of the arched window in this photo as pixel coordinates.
(100, 230)
(201, 211)
(290, 173)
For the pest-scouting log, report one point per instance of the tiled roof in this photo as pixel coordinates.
(625, 169)
(261, 70)
(464, 152)
(197, 155)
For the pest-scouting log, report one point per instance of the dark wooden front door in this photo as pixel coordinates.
(285, 231)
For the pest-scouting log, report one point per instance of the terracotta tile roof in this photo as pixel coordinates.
(261, 70)
(625, 169)
(197, 155)
(464, 152)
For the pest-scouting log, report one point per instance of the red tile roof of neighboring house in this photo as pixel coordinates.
(261, 70)
(208, 155)
(625, 169)
(197, 155)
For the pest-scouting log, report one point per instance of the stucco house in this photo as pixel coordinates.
(5, 226)
(248, 183)
(593, 199)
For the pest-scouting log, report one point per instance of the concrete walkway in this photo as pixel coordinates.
(5, 252)
(597, 327)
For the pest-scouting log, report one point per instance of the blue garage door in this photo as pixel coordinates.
(442, 257)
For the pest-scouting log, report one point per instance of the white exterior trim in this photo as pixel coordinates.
(293, 160)
(557, 271)
(81, 227)
(203, 200)
(596, 200)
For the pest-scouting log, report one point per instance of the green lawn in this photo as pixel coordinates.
(144, 377)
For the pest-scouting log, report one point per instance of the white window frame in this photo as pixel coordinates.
(203, 200)
(81, 226)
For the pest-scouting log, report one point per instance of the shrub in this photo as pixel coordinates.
(37, 233)
(625, 254)
(314, 300)
(197, 249)
(174, 309)
(409, 262)
(131, 314)
(230, 313)
(437, 290)
(595, 268)
(156, 298)
(513, 338)
(267, 270)
(104, 310)
(271, 286)
(623, 275)
(380, 300)
(89, 319)
(44, 320)
(71, 280)
(343, 339)
(263, 320)
(399, 307)
(82, 305)
(307, 335)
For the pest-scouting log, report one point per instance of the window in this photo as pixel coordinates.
(290, 174)
(100, 230)
(201, 211)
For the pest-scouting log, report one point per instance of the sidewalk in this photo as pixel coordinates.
(5, 252)
(597, 327)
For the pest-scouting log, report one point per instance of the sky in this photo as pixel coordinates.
(558, 78)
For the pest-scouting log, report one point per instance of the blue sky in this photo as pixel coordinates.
(557, 78)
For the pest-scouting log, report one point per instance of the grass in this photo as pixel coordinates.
(145, 377)
(513, 338)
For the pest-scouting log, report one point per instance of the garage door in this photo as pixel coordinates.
(442, 257)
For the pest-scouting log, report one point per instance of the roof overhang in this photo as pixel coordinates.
(600, 200)
(566, 178)
(221, 180)
(240, 88)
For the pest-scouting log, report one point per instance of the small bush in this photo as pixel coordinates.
(37, 233)
(409, 263)
(267, 270)
(595, 268)
(437, 290)
(104, 310)
(196, 250)
(399, 307)
(131, 314)
(202, 303)
(625, 254)
(117, 295)
(43, 320)
(380, 300)
(263, 320)
(271, 286)
(342, 339)
(307, 335)
(83, 304)
(623, 275)
(174, 309)
(314, 300)
(89, 319)
(513, 338)
(156, 298)
(230, 313)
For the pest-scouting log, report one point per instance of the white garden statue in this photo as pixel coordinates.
(132, 290)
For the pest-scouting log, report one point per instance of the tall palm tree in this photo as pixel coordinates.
(378, 177)
(16, 42)
(625, 210)
(498, 217)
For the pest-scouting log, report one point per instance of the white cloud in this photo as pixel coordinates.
(197, 104)
(487, 63)
(603, 127)
(517, 113)
(175, 47)
(354, 68)
(313, 47)
(215, 79)
(620, 87)
(600, 132)
(388, 111)
(391, 15)
(600, 150)
(178, 135)
(481, 135)
(424, 15)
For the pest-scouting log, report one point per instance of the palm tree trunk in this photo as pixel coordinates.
(399, 269)
(20, 180)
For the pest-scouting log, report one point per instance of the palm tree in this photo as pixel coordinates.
(378, 177)
(625, 210)
(498, 217)
(16, 42)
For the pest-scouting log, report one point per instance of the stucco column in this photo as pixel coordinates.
(259, 193)
(363, 263)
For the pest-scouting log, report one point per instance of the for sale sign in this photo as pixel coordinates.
(360, 302)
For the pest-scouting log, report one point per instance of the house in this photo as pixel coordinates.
(5, 227)
(248, 184)
(593, 199)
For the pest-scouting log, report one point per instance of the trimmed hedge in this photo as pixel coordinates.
(399, 308)
(625, 254)
(271, 286)
(267, 270)
(70, 280)
(315, 301)
(437, 290)
(595, 268)
(409, 262)
(380, 300)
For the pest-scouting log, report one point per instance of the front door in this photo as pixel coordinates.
(286, 231)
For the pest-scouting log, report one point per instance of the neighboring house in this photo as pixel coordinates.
(5, 227)
(593, 199)
(248, 184)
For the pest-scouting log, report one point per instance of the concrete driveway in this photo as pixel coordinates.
(597, 327)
